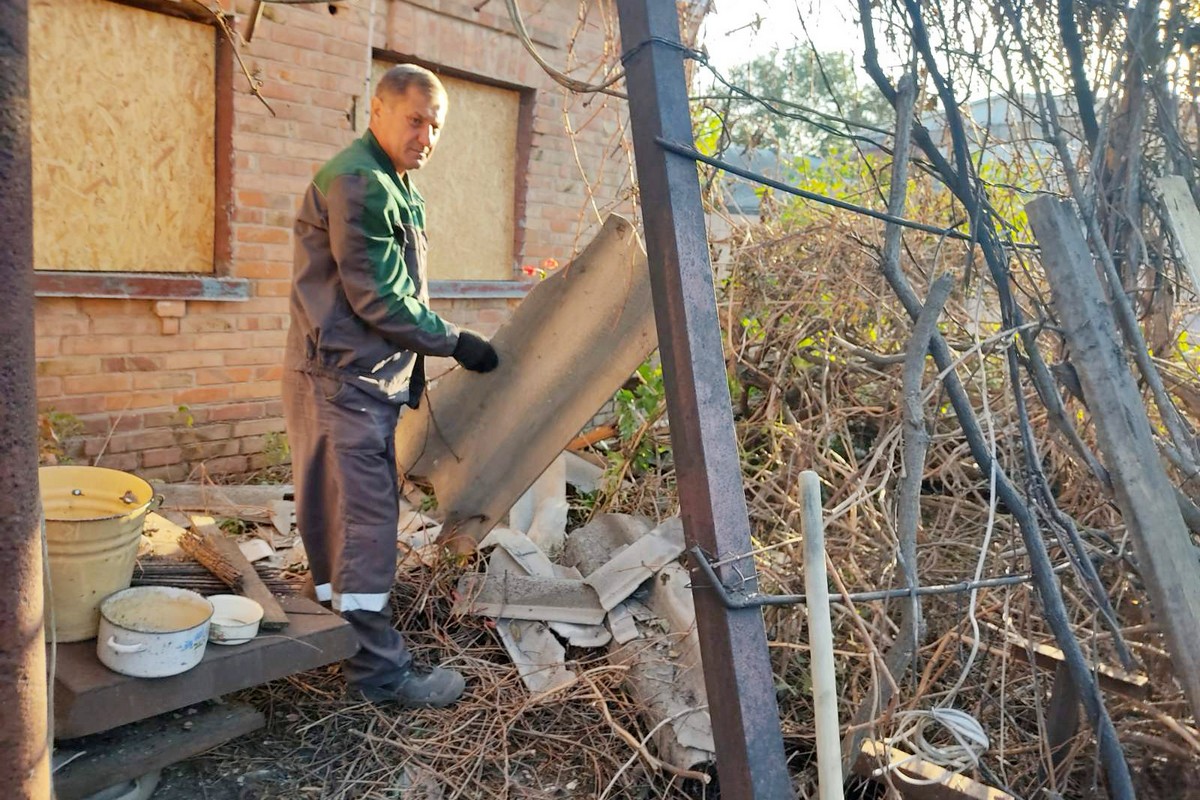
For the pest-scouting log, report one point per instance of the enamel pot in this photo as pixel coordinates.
(153, 631)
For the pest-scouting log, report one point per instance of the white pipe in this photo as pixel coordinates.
(820, 640)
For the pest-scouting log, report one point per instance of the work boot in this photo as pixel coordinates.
(416, 687)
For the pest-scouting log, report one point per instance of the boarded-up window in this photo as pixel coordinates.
(123, 121)
(470, 183)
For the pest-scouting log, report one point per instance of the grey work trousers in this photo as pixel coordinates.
(347, 509)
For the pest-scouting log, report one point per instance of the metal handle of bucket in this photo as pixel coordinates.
(117, 647)
(156, 502)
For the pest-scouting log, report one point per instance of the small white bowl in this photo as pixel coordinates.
(235, 619)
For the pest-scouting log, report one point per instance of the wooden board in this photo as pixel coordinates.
(1184, 221)
(1144, 492)
(251, 503)
(274, 617)
(939, 784)
(1048, 657)
(123, 127)
(113, 758)
(89, 697)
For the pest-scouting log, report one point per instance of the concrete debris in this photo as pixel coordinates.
(283, 520)
(539, 657)
(495, 433)
(411, 521)
(419, 546)
(514, 552)
(567, 572)
(598, 541)
(632, 566)
(522, 550)
(542, 510)
(255, 550)
(665, 675)
(583, 474)
(622, 624)
(511, 596)
(582, 635)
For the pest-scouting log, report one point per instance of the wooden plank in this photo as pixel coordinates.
(61, 283)
(90, 698)
(121, 755)
(1166, 557)
(1183, 219)
(274, 617)
(1048, 657)
(250, 503)
(939, 784)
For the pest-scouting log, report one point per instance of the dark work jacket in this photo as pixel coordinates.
(359, 300)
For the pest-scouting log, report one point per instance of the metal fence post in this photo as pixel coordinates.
(737, 667)
(24, 747)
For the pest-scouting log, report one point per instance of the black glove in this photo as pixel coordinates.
(475, 352)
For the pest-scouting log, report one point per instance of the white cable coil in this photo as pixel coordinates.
(970, 742)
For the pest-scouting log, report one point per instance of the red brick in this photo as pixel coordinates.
(169, 473)
(122, 461)
(209, 323)
(207, 394)
(125, 323)
(77, 325)
(96, 384)
(162, 456)
(221, 341)
(138, 400)
(248, 391)
(163, 380)
(238, 411)
(69, 365)
(200, 451)
(256, 233)
(264, 269)
(95, 344)
(84, 404)
(216, 375)
(257, 427)
(192, 359)
(227, 465)
(46, 346)
(48, 387)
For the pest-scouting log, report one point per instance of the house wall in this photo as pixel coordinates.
(161, 387)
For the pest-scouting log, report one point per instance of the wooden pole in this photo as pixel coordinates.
(1167, 559)
(24, 741)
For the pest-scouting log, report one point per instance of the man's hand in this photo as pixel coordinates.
(475, 352)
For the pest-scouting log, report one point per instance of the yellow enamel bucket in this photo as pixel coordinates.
(94, 519)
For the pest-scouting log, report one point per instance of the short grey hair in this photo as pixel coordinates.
(395, 81)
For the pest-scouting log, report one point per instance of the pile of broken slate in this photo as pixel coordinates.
(613, 583)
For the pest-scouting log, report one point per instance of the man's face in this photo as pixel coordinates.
(407, 126)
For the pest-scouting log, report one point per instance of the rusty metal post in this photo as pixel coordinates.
(737, 669)
(24, 746)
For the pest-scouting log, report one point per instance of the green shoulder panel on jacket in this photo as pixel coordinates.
(364, 156)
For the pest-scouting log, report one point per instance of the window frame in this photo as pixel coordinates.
(220, 284)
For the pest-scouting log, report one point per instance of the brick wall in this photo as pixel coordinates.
(162, 387)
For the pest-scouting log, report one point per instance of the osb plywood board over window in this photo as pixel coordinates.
(123, 113)
(469, 185)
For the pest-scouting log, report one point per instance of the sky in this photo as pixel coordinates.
(738, 30)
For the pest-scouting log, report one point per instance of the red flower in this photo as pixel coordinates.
(529, 270)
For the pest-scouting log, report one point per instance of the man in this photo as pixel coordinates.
(360, 329)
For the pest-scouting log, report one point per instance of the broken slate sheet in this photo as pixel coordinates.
(484, 439)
